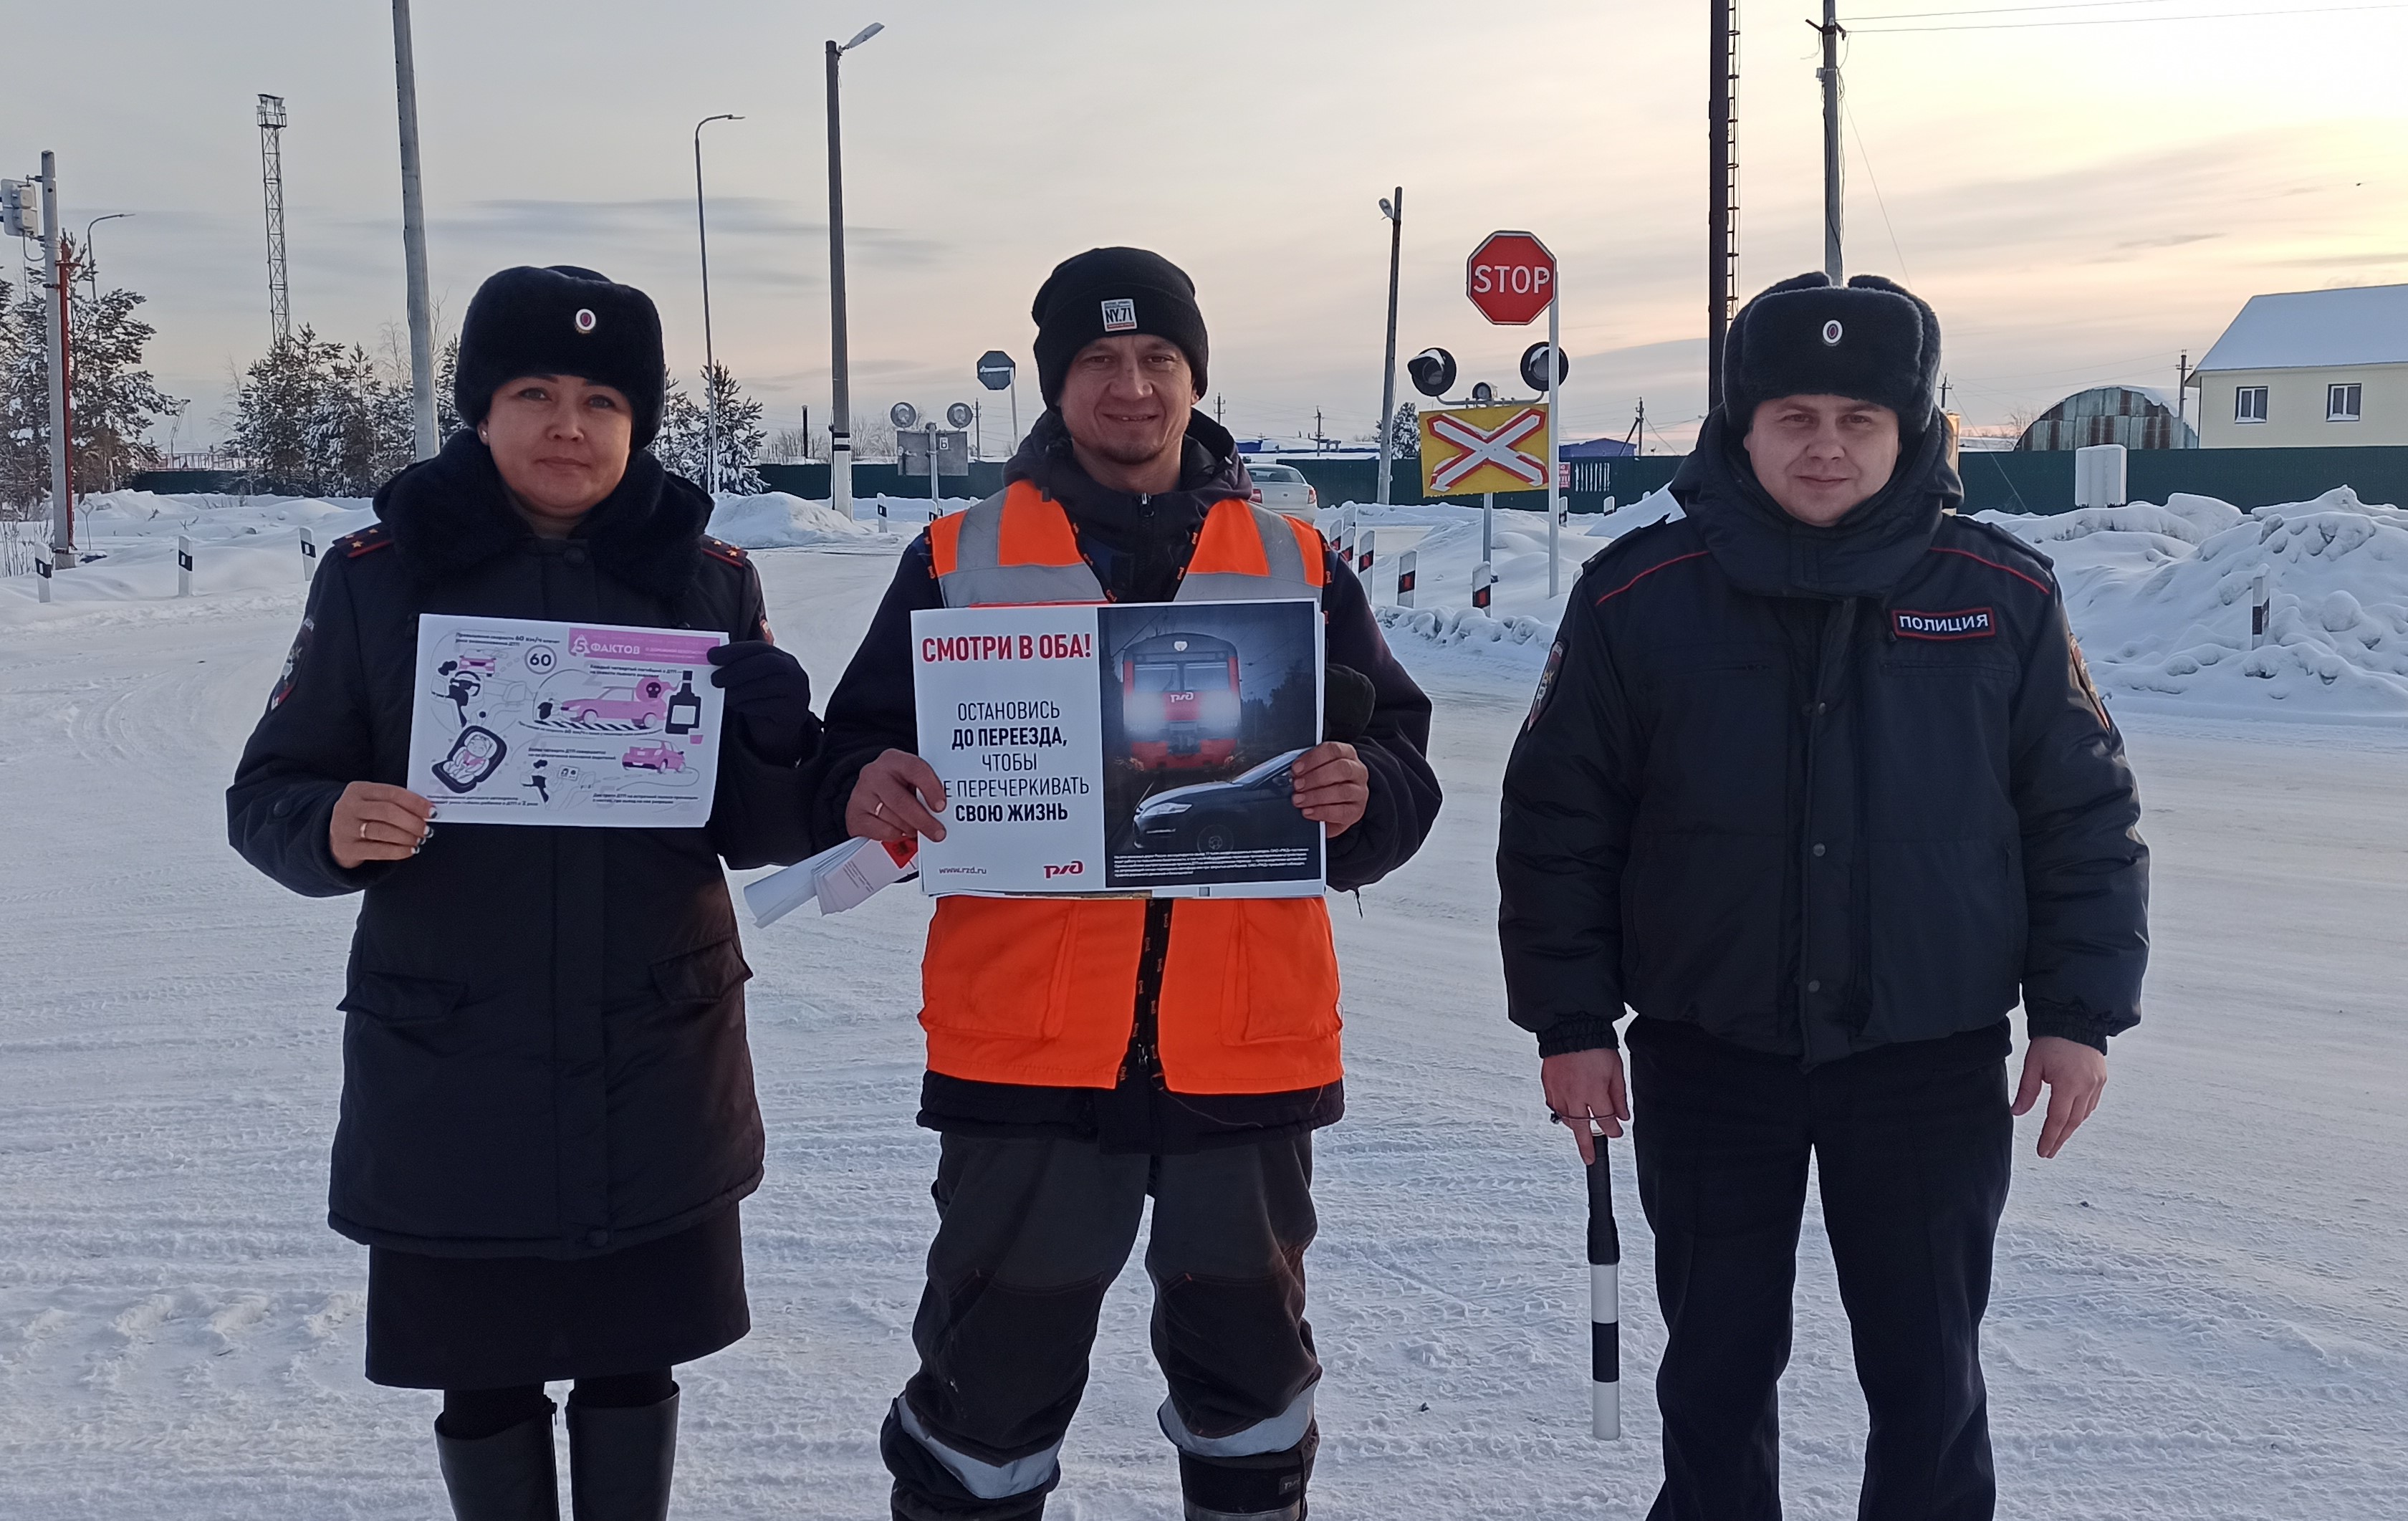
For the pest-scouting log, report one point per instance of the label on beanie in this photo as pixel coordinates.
(1120, 315)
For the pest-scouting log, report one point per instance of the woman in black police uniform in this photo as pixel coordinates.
(547, 1115)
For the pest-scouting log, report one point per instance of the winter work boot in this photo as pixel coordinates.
(1267, 1487)
(620, 1460)
(508, 1476)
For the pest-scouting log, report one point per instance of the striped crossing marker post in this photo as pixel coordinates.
(1604, 1303)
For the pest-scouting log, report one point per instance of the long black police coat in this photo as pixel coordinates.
(1819, 790)
(543, 1045)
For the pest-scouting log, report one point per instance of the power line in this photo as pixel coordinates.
(2119, 20)
(1875, 179)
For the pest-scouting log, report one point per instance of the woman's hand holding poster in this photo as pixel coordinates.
(1122, 748)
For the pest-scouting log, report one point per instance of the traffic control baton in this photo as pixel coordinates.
(1604, 1303)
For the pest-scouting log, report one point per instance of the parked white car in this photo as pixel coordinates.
(1283, 489)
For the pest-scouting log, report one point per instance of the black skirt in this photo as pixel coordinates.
(490, 1323)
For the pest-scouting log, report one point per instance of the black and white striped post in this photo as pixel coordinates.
(1604, 1303)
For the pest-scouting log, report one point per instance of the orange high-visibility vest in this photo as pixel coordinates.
(1042, 991)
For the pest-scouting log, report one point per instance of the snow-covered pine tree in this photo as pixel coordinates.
(113, 402)
(683, 443)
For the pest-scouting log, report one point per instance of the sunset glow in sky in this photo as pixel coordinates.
(2080, 202)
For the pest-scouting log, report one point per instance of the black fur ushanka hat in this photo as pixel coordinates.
(560, 320)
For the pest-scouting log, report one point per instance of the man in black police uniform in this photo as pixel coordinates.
(1817, 785)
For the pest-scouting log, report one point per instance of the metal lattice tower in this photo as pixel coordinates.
(271, 168)
(1722, 217)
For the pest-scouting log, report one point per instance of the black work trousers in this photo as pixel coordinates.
(1032, 1231)
(1913, 1145)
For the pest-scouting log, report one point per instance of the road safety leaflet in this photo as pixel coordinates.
(1124, 748)
(588, 724)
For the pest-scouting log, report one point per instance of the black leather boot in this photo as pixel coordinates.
(1267, 1487)
(508, 1476)
(620, 1460)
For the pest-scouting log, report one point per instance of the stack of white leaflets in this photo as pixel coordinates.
(843, 878)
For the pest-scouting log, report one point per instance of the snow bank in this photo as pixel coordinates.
(2161, 599)
(241, 545)
(2159, 595)
(777, 521)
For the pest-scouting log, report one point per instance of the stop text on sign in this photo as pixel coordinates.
(1510, 276)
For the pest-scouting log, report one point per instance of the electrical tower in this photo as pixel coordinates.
(1722, 188)
(271, 171)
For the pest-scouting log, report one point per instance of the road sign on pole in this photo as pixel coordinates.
(1470, 451)
(1510, 276)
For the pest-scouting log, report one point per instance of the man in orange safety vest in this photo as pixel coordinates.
(1085, 1053)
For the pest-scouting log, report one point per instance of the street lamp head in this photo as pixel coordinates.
(863, 35)
(1387, 209)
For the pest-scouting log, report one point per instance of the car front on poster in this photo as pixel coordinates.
(1248, 811)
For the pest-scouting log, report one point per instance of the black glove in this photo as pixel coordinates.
(770, 693)
(1347, 700)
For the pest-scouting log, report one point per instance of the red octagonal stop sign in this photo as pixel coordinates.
(1511, 278)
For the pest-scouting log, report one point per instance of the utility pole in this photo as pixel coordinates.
(1722, 188)
(54, 281)
(710, 364)
(1395, 212)
(839, 371)
(271, 178)
(1829, 74)
(2182, 391)
(413, 242)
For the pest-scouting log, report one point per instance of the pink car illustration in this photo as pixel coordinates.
(644, 705)
(662, 758)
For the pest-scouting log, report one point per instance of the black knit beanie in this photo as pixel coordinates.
(1870, 340)
(560, 320)
(1104, 293)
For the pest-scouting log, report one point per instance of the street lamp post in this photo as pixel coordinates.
(1395, 212)
(710, 361)
(90, 265)
(419, 305)
(839, 377)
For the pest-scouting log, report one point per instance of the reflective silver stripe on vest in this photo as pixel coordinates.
(1282, 553)
(979, 580)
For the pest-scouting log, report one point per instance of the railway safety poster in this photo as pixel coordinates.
(1127, 748)
(589, 724)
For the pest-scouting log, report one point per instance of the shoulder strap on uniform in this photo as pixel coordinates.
(720, 549)
(374, 536)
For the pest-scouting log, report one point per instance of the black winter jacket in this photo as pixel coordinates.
(1138, 548)
(543, 1042)
(1816, 791)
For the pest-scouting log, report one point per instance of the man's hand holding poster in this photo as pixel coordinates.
(1126, 748)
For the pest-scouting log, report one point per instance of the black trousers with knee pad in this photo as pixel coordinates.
(1032, 1231)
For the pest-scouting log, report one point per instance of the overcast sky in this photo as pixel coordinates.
(2080, 202)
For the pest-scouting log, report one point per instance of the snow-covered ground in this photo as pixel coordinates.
(2199, 1308)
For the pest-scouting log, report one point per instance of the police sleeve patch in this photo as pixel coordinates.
(290, 676)
(1546, 687)
(2081, 678)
